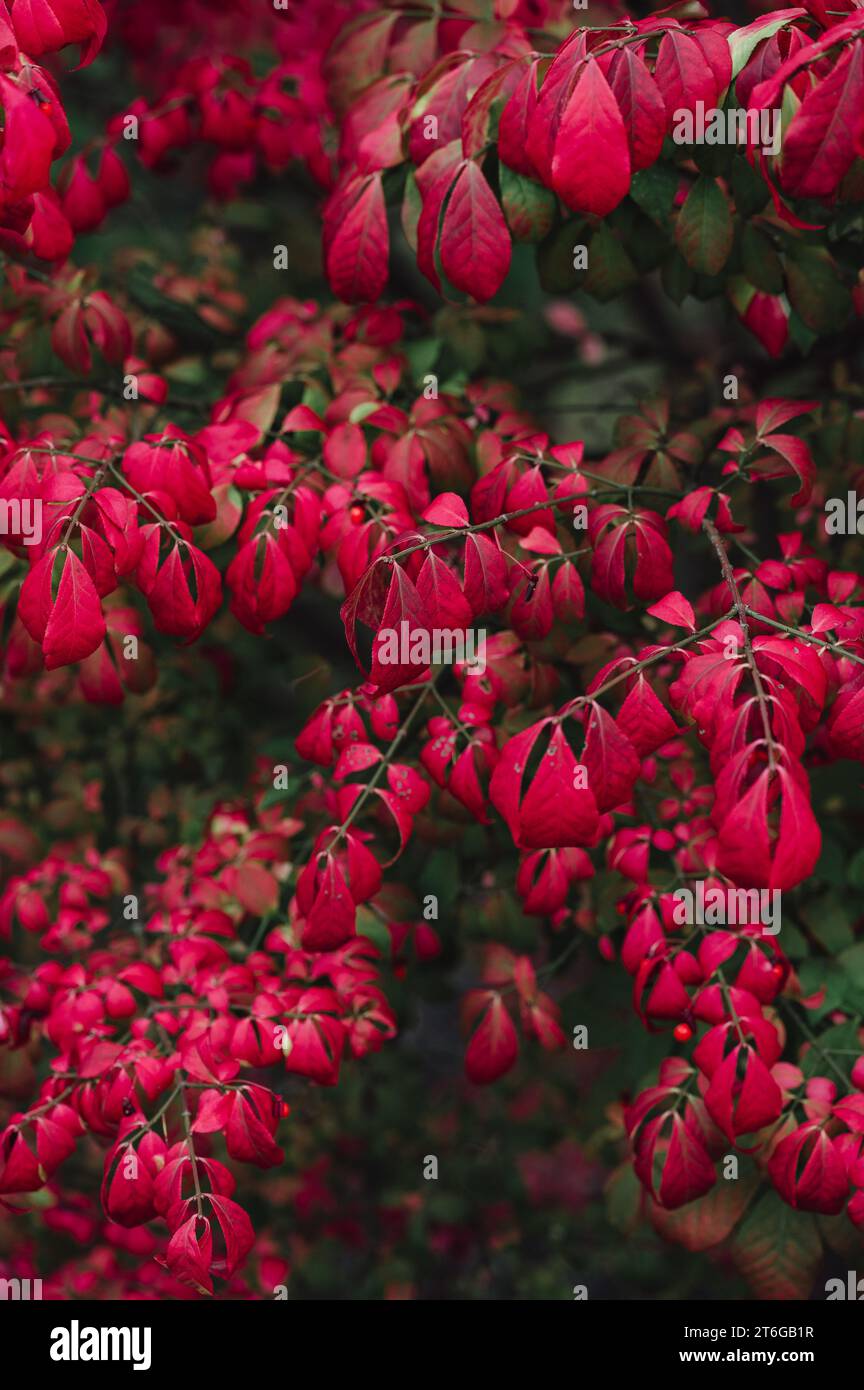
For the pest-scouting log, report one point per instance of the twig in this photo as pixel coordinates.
(741, 610)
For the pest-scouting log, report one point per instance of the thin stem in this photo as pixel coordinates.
(121, 478)
(741, 610)
(813, 1040)
(454, 718)
(49, 1104)
(807, 637)
(190, 1144)
(88, 493)
(401, 734)
(627, 487)
(730, 1005)
(649, 660)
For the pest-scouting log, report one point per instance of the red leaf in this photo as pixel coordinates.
(610, 759)
(43, 26)
(688, 1171)
(819, 145)
(446, 510)
(743, 1102)
(746, 853)
(514, 124)
(345, 450)
(768, 321)
(485, 585)
(591, 163)
(772, 413)
(683, 74)
(641, 105)
(443, 603)
(494, 1046)
(644, 719)
(190, 1254)
(676, 609)
(553, 812)
(799, 459)
(568, 593)
(69, 625)
(820, 1182)
(475, 242)
(358, 245)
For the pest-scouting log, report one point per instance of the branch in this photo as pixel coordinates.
(806, 636)
(400, 737)
(742, 611)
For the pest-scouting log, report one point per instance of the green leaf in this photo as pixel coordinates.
(851, 962)
(823, 974)
(422, 356)
(610, 269)
(794, 943)
(677, 277)
(245, 214)
(704, 230)
(799, 334)
(828, 920)
(277, 795)
(623, 1193)
(743, 41)
(555, 258)
(646, 243)
(760, 262)
(701, 1224)
(317, 399)
(714, 160)
(841, 1040)
(777, 1249)
(749, 191)
(831, 864)
(412, 206)
(840, 1235)
(814, 289)
(855, 871)
(528, 207)
(654, 189)
(369, 924)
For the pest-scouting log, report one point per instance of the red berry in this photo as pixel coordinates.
(357, 515)
(682, 1032)
(286, 1108)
